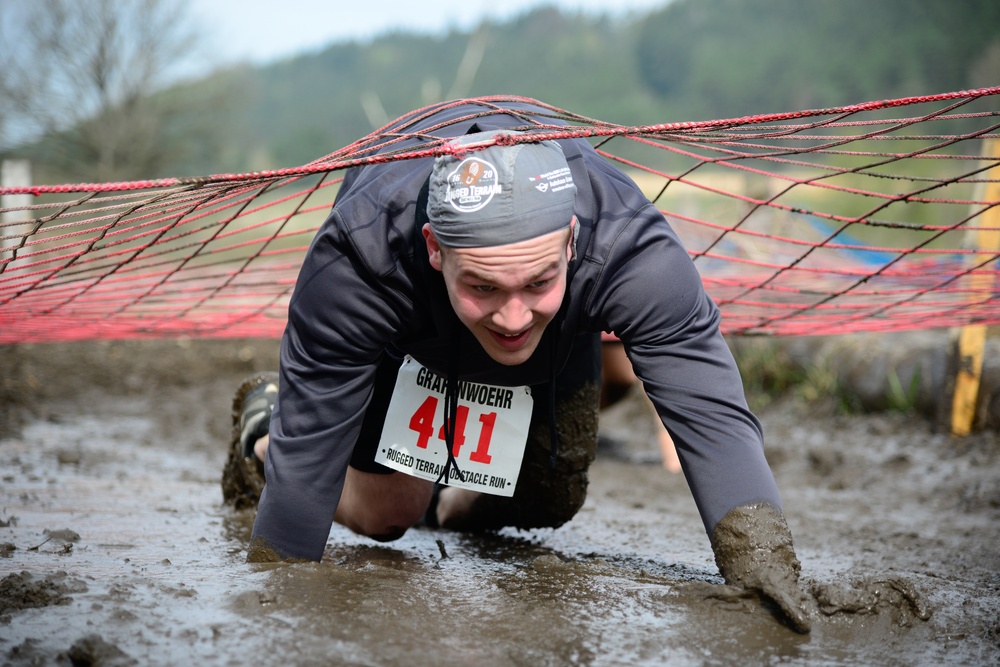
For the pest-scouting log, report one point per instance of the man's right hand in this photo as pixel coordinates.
(753, 549)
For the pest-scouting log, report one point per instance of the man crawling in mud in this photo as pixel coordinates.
(441, 361)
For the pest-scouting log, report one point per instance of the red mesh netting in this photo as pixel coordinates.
(873, 217)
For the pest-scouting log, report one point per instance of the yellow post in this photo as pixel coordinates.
(972, 338)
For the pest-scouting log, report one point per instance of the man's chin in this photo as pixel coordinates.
(508, 358)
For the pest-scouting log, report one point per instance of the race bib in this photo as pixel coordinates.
(491, 430)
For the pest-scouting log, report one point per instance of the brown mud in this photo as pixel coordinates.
(116, 548)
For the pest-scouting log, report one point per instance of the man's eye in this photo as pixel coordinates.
(539, 284)
(483, 288)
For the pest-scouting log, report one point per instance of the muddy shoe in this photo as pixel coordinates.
(243, 474)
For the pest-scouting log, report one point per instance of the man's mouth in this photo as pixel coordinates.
(511, 341)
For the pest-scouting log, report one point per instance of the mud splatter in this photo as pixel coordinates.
(896, 596)
(24, 590)
(92, 650)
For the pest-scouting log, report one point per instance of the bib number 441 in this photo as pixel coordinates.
(422, 422)
(413, 436)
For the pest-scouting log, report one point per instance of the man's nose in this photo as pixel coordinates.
(513, 316)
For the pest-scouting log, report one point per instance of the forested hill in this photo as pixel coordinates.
(729, 57)
(689, 60)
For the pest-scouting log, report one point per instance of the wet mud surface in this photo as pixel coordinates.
(116, 548)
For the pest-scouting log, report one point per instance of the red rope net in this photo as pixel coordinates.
(872, 217)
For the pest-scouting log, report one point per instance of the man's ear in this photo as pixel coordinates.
(571, 241)
(433, 247)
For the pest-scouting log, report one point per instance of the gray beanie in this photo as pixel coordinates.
(499, 194)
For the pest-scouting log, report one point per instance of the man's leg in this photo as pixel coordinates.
(376, 501)
(378, 505)
(382, 503)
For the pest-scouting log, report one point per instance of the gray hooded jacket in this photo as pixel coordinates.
(366, 285)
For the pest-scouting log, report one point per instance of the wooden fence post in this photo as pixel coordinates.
(972, 338)
(13, 173)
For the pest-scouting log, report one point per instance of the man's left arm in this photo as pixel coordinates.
(655, 302)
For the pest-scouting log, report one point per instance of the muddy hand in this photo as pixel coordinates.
(753, 549)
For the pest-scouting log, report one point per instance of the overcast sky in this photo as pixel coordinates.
(265, 30)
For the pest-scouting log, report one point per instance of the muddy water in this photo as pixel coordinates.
(115, 548)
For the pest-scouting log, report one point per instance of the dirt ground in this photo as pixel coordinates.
(116, 549)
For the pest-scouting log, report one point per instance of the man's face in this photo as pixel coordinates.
(506, 295)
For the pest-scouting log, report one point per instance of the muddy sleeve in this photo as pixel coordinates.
(652, 297)
(339, 319)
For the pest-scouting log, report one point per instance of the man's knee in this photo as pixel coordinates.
(382, 507)
(384, 524)
(390, 535)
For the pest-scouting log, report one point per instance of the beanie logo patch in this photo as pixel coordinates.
(472, 185)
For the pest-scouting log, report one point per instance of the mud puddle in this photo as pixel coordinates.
(115, 549)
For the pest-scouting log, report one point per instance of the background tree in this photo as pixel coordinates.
(82, 85)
